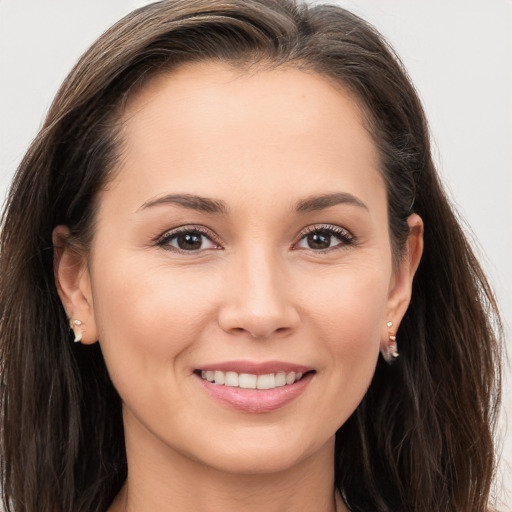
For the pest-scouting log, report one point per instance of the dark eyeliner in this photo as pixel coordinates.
(163, 240)
(346, 237)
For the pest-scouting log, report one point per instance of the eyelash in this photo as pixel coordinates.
(165, 240)
(345, 237)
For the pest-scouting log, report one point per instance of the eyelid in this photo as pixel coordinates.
(344, 235)
(162, 240)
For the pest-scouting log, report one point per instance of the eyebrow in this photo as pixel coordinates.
(192, 202)
(216, 206)
(315, 203)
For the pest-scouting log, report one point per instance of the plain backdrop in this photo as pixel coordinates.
(458, 53)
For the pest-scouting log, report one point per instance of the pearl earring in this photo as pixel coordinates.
(78, 333)
(390, 353)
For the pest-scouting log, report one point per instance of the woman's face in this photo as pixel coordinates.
(244, 239)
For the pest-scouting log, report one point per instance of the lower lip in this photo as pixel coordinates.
(257, 400)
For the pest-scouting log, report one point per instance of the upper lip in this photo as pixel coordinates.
(256, 368)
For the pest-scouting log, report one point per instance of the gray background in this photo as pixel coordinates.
(458, 53)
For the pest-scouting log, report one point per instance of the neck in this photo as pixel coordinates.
(163, 479)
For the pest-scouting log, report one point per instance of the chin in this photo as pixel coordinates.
(265, 456)
(260, 463)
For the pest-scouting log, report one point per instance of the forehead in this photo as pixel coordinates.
(215, 94)
(205, 124)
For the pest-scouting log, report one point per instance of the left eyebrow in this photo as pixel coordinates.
(189, 201)
(315, 203)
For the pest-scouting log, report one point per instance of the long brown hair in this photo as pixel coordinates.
(421, 439)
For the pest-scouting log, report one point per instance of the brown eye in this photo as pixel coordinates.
(323, 238)
(318, 240)
(187, 240)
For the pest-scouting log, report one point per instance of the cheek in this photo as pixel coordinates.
(147, 317)
(349, 314)
(350, 306)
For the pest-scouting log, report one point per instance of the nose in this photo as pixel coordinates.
(259, 301)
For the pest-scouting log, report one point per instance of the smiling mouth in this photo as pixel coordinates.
(249, 380)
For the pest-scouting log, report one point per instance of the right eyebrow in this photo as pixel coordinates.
(316, 203)
(190, 201)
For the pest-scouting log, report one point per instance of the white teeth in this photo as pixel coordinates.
(290, 378)
(266, 381)
(280, 379)
(231, 379)
(249, 380)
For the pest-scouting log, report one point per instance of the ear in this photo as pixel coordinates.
(401, 284)
(74, 285)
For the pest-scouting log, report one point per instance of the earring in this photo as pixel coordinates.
(390, 353)
(78, 333)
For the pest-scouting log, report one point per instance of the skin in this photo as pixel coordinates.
(255, 290)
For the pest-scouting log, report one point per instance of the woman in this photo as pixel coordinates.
(230, 210)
